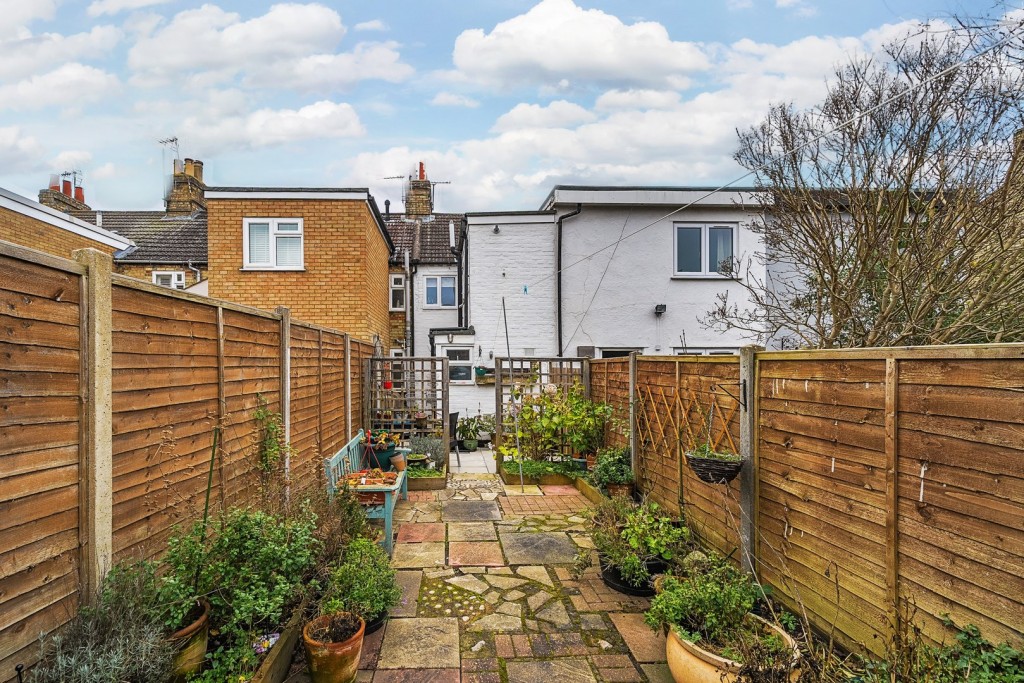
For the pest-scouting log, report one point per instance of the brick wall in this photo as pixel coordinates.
(29, 232)
(345, 281)
(144, 271)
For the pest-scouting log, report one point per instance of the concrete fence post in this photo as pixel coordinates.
(96, 490)
(286, 394)
(632, 412)
(748, 449)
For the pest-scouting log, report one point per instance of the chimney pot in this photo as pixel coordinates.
(197, 169)
(179, 168)
(80, 194)
(387, 208)
(66, 187)
(55, 182)
(190, 167)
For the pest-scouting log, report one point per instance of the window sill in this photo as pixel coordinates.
(294, 269)
(705, 276)
(428, 307)
(463, 382)
(396, 310)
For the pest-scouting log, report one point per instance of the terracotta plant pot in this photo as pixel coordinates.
(398, 462)
(620, 490)
(690, 663)
(332, 662)
(190, 645)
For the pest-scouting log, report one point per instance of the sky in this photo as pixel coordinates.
(501, 99)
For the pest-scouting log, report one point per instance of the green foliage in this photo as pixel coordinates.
(613, 466)
(185, 559)
(704, 450)
(257, 563)
(539, 468)
(629, 536)
(120, 640)
(584, 421)
(363, 583)
(651, 534)
(707, 606)
(436, 449)
(555, 418)
(270, 442)
(486, 423)
(425, 473)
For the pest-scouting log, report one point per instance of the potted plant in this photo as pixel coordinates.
(710, 464)
(187, 615)
(712, 633)
(467, 431)
(635, 542)
(420, 418)
(380, 446)
(485, 427)
(613, 471)
(334, 643)
(364, 583)
(584, 422)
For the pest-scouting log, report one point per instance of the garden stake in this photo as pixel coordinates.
(511, 383)
(206, 506)
(18, 669)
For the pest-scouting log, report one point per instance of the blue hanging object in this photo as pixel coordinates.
(526, 290)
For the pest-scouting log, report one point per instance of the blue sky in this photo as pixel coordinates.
(501, 98)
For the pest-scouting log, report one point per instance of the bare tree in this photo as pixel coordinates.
(906, 224)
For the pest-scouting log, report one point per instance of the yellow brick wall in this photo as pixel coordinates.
(144, 271)
(397, 318)
(29, 232)
(345, 282)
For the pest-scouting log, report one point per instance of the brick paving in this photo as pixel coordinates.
(493, 622)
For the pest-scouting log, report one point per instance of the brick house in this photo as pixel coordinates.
(321, 252)
(34, 225)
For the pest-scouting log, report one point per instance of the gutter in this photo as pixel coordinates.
(558, 274)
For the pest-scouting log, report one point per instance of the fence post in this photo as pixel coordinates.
(892, 493)
(632, 411)
(222, 402)
(748, 449)
(96, 489)
(499, 409)
(348, 388)
(286, 393)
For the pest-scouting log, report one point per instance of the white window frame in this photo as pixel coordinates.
(466, 363)
(274, 234)
(709, 351)
(439, 278)
(397, 282)
(617, 349)
(704, 272)
(177, 278)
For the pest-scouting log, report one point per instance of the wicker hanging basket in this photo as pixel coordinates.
(714, 470)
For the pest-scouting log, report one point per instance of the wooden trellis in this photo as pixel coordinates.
(400, 388)
(529, 375)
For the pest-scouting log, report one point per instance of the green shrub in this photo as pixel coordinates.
(613, 466)
(363, 583)
(435, 448)
(629, 536)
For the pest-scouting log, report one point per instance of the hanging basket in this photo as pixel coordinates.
(714, 470)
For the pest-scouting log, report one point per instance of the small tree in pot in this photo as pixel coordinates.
(613, 471)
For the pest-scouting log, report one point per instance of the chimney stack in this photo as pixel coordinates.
(62, 195)
(187, 193)
(419, 200)
(197, 170)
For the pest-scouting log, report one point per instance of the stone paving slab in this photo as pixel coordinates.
(436, 643)
(551, 547)
(475, 554)
(417, 676)
(418, 555)
(526, 490)
(409, 582)
(470, 511)
(471, 531)
(645, 644)
(657, 673)
(423, 532)
(568, 670)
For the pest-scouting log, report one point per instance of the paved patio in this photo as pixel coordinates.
(488, 596)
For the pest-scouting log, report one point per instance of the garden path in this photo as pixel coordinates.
(488, 596)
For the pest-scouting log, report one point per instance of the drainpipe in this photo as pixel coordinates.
(408, 306)
(199, 273)
(558, 273)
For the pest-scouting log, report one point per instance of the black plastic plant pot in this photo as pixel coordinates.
(714, 470)
(614, 580)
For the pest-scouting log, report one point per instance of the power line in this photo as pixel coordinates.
(889, 100)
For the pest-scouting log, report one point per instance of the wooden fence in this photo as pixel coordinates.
(874, 476)
(110, 389)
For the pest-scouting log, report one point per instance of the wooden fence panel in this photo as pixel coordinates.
(822, 491)
(305, 407)
(40, 399)
(334, 434)
(609, 383)
(961, 493)
(360, 351)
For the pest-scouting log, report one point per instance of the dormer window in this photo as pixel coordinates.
(273, 244)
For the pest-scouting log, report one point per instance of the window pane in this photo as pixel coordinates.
(259, 243)
(460, 373)
(431, 291)
(447, 291)
(289, 251)
(720, 250)
(398, 298)
(287, 227)
(687, 250)
(458, 354)
(164, 279)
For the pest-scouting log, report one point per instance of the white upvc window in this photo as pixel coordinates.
(711, 351)
(273, 244)
(175, 279)
(397, 292)
(460, 365)
(704, 250)
(439, 291)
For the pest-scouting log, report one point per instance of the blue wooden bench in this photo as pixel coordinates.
(350, 459)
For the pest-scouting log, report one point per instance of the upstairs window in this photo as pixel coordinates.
(439, 291)
(705, 250)
(273, 243)
(397, 292)
(175, 279)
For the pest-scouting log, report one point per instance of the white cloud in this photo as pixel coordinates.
(637, 99)
(30, 55)
(736, 5)
(374, 25)
(104, 171)
(557, 40)
(802, 8)
(558, 114)
(19, 153)
(447, 99)
(18, 14)
(100, 7)
(72, 159)
(291, 46)
(72, 84)
(269, 127)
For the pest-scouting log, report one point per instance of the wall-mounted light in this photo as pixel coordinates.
(451, 337)
(659, 309)
(496, 229)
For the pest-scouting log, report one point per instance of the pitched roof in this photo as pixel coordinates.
(433, 245)
(159, 238)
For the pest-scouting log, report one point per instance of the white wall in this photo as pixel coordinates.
(427, 318)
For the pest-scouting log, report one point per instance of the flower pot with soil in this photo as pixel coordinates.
(613, 471)
(364, 584)
(398, 462)
(190, 642)
(334, 643)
